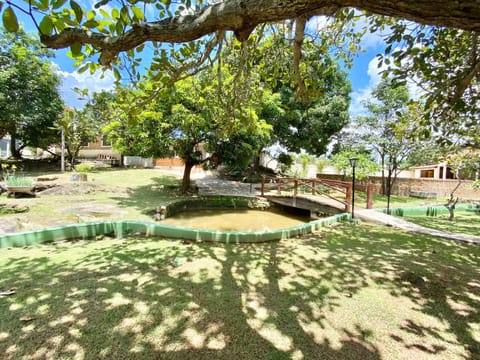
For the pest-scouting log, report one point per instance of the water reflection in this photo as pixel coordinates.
(236, 220)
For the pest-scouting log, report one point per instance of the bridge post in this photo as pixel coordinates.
(295, 187)
(314, 189)
(369, 195)
(262, 189)
(348, 198)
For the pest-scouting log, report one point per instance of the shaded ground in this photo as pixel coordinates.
(348, 292)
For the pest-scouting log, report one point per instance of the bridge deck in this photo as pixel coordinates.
(307, 202)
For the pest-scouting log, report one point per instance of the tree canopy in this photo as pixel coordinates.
(434, 44)
(127, 26)
(29, 100)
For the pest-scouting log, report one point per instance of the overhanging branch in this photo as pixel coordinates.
(242, 16)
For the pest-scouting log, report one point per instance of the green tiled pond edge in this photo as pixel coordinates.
(429, 210)
(121, 229)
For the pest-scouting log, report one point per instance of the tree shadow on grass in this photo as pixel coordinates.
(463, 222)
(147, 197)
(153, 298)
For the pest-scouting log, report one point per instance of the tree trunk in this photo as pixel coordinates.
(256, 162)
(383, 188)
(14, 152)
(451, 211)
(186, 181)
(452, 201)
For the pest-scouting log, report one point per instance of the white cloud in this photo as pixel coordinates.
(369, 40)
(374, 77)
(361, 95)
(93, 82)
(317, 24)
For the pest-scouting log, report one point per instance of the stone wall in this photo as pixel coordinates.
(405, 186)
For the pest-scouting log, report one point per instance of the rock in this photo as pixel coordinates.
(8, 226)
(47, 178)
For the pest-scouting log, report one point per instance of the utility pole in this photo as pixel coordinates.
(62, 166)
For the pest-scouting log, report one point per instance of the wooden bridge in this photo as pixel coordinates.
(315, 195)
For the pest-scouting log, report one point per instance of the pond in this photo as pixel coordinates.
(245, 220)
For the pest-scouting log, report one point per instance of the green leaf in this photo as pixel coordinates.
(46, 25)
(76, 48)
(138, 13)
(119, 28)
(117, 74)
(42, 5)
(105, 14)
(91, 23)
(77, 10)
(58, 3)
(10, 21)
(124, 15)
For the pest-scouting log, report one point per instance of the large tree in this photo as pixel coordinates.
(186, 35)
(113, 28)
(190, 20)
(29, 99)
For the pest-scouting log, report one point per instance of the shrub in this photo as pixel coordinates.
(19, 181)
(84, 168)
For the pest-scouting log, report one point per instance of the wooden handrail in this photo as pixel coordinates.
(345, 187)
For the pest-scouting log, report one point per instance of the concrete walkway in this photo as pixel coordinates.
(373, 216)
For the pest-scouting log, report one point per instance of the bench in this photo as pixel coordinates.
(423, 194)
(112, 160)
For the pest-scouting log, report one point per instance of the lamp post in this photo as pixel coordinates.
(62, 158)
(389, 187)
(353, 163)
(478, 170)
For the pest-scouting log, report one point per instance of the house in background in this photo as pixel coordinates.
(27, 152)
(99, 150)
(5, 147)
(436, 171)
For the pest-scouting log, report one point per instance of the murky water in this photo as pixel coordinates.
(236, 220)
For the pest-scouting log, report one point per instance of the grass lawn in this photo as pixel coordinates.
(109, 194)
(464, 222)
(380, 201)
(348, 292)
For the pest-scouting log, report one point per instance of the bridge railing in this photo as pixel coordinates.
(315, 186)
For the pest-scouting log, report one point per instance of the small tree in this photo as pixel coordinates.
(463, 161)
(365, 165)
(385, 130)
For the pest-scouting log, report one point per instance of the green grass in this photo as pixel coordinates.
(18, 181)
(116, 194)
(464, 222)
(348, 292)
(380, 201)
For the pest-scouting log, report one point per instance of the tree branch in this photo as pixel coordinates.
(300, 24)
(242, 16)
(462, 84)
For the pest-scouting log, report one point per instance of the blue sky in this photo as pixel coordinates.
(364, 74)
